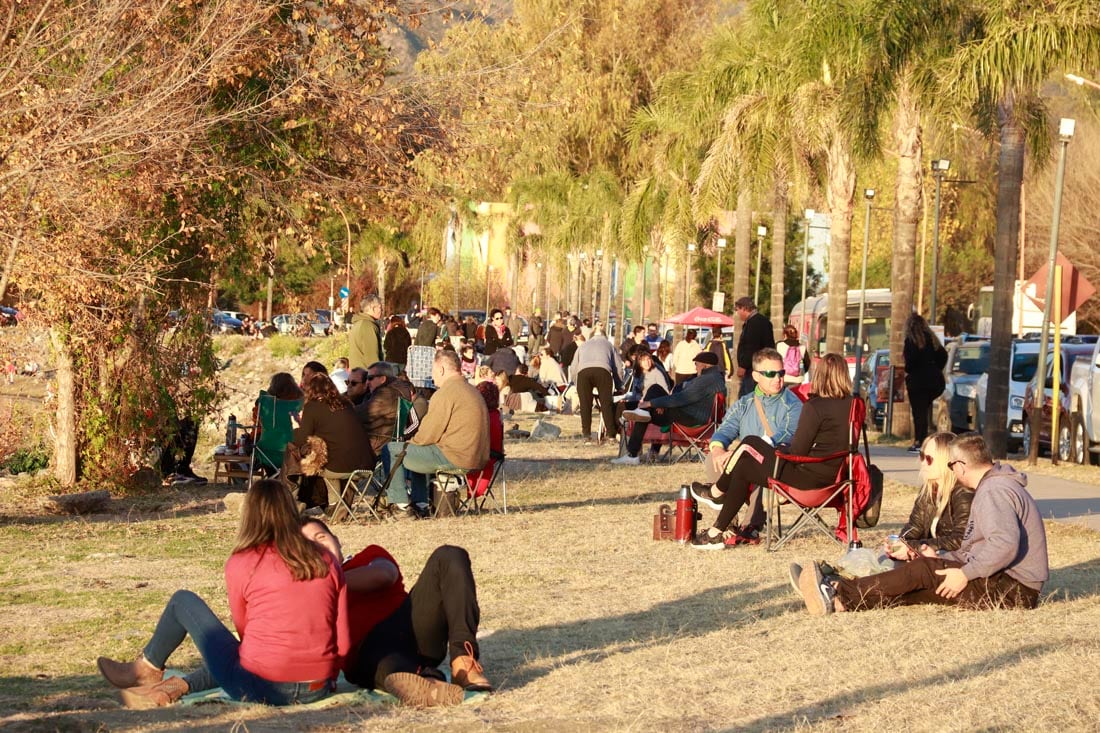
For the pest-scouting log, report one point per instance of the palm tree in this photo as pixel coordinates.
(1016, 47)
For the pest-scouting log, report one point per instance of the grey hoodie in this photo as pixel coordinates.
(1005, 531)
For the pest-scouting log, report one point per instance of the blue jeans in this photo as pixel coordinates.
(185, 614)
(419, 461)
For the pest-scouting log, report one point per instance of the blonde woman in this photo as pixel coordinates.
(942, 508)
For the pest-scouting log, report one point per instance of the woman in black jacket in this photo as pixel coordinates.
(397, 342)
(925, 359)
(942, 508)
(823, 430)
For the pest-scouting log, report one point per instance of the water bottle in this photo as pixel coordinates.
(687, 514)
(231, 432)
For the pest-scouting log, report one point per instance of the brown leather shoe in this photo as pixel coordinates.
(162, 693)
(466, 672)
(422, 692)
(137, 673)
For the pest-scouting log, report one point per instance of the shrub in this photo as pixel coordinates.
(28, 460)
(283, 346)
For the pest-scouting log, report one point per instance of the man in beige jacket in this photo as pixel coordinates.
(454, 434)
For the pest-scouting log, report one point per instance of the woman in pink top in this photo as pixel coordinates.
(289, 607)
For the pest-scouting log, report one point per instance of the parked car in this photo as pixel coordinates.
(1023, 361)
(294, 324)
(1063, 442)
(1084, 385)
(239, 315)
(222, 322)
(955, 409)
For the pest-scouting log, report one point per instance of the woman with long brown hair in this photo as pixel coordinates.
(289, 605)
(822, 430)
(331, 417)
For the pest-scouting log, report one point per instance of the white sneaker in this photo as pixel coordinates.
(626, 460)
(636, 415)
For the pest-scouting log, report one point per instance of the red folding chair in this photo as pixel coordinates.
(695, 441)
(840, 495)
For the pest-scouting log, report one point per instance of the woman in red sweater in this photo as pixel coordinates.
(289, 605)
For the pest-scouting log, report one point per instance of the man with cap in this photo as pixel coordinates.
(690, 404)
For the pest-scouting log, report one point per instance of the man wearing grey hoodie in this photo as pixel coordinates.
(1002, 562)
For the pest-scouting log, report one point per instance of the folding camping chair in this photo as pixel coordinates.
(274, 430)
(376, 487)
(480, 484)
(694, 442)
(809, 503)
(349, 494)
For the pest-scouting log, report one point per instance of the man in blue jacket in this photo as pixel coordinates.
(769, 411)
(690, 404)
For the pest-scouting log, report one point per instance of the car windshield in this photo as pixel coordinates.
(972, 359)
(1023, 367)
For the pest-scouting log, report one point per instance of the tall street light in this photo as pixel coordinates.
(805, 257)
(869, 196)
(719, 299)
(1065, 134)
(580, 271)
(645, 262)
(687, 283)
(761, 232)
(939, 170)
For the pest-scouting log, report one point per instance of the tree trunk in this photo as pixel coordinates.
(841, 194)
(779, 255)
(908, 202)
(64, 453)
(1010, 178)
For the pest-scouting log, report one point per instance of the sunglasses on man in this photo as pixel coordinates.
(771, 373)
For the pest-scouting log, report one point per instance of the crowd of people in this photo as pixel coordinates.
(304, 612)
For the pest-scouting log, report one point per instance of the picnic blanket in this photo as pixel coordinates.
(346, 694)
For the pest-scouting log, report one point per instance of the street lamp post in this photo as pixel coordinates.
(939, 170)
(687, 284)
(580, 270)
(721, 248)
(645, 262)
(1065, 134)
(805, 257)
(869, 195)
(761, 232)
(597, 277)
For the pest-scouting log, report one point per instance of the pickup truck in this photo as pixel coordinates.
(1084, 409)
(1073, 355)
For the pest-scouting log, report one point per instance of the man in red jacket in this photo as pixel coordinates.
(398, 637)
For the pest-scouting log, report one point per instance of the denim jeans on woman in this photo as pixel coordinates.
(185, 614)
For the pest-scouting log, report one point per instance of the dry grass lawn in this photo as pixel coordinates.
(591, 624)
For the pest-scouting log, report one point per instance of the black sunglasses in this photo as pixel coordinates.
(353, 383)
(951, 464)
(771, 373)
(926, 458)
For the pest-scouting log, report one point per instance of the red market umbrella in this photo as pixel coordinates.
(700, 317)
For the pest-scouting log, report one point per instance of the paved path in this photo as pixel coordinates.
(1065, 501)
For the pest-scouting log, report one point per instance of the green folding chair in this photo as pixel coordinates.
(275, 430)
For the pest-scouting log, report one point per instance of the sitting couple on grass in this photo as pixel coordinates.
(1001, 561)
(301, 617)
(766, 418)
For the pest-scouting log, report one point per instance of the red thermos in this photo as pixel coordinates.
(687, 514)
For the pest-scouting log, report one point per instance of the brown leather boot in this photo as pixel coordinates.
(466, 672)
(137, 673)
(162, 693)
(422, 692)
